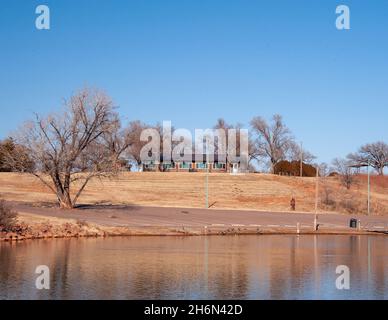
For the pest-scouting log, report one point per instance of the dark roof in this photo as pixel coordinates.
(204, 157)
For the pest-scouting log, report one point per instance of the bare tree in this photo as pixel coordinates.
(374, 153)
(273, 141)
(253, 153)
(297, 153)
(345, 171)
(323, 169)
(7, 163)
(119, 140)
(135, 128)
(252, 149)
(222, 124)
(70, 148)
(165, 138)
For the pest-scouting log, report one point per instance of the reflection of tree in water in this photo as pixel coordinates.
(172, 268)
(178, 270)
(91, 269)
(352, 255)
(228, 268)
(378, 266)
(280, 255)
(59, 269)
(299, 267)
(20, 260)
(155, 283)
(277, 267)
(294, 266)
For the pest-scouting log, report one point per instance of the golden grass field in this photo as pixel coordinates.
(250, 191)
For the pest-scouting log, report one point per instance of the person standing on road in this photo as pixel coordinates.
(293, 204)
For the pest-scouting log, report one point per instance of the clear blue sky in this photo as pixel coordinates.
(194, 61)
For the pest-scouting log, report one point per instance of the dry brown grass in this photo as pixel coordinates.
(337, 198)
(252, 191)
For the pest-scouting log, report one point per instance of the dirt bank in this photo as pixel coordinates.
(101, 221)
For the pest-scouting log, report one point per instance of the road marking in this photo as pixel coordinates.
(237, 225)
(255, 225)
(289, 226)
(378, 227)
(273, 225)
(218, 225)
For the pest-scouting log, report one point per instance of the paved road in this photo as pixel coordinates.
(133, 216)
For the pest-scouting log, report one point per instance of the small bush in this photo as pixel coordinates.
(7, 217)
(293, 169)
(350, 206)
(327, 197)
(82, 223)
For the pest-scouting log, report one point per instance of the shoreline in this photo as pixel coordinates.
(109, 221)
(160, 231)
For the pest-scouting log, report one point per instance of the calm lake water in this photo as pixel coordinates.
(229, 267)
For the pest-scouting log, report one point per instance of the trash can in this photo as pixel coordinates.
(353, 223)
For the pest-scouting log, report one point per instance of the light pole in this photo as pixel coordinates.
(301, 159)
(368, 187)
(207, 183)
(207, 156)
(316, 199)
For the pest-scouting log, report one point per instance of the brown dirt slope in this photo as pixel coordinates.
(251, 191)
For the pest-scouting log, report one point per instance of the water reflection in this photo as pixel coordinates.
(240, 267)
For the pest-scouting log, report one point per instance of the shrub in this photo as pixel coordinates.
(327, 198)
(82, 223)
(7, 217)
(293, 169)
(350, 206)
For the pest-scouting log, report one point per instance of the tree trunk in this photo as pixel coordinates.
(273, 167)
(63, 193)
(65, 201)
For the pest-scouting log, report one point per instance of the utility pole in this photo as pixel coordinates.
(316, 199)
(368, 187)
(368, 165)
(301, 159)
(207, 155)
(207, 182)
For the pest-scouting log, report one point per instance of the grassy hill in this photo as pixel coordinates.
(251, 191)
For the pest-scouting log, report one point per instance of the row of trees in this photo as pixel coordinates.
(9, 151)
(87, 140)
(275, 142)
(374, 155)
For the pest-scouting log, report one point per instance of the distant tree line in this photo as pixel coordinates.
(373, 155)
(9, 151)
